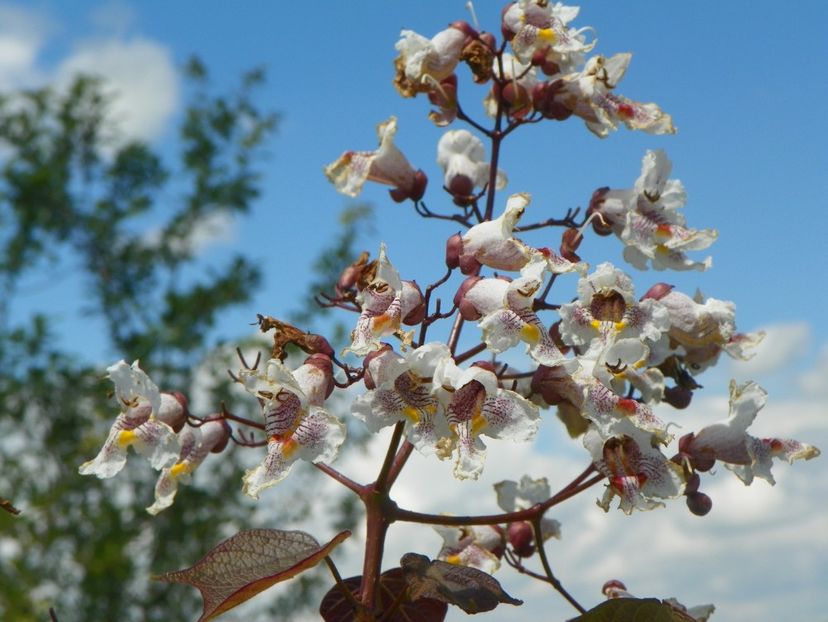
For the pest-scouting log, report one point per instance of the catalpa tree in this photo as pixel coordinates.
(597, 353)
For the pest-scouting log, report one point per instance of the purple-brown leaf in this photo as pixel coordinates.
(471, 589)
(392, 602)
(248, 563)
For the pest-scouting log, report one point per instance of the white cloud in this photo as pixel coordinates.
(22, 35)
(815, 381)
(783, 344)
(140, 77)
(140, 74)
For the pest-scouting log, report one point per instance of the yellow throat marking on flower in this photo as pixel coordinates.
(127, 438)
(478, 422)
(412, 414)
(547, 35)
(530, 333)
(181, 468)
(454, 559)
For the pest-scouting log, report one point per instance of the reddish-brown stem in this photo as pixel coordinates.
(399, 462)
(495, 519)
(454, 335)
(248, 422)
(350, 484)
(382, 479)
(553, 581)
(465, 356)
(376, 523)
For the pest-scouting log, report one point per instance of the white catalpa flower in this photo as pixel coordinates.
(728, 440)
(476, 406)
(700, 329)
(386, 303)
(606, 310)
(476, 546)
(145, 423)
(505, 312)
(540, 26)
(637, 472)
(296, 424)
(424, 62)
(387, 165)
(400, 390)
(195, 444)
(589, 94)
(462, 157)
(647, 219)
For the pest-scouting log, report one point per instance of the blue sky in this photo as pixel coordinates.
(745, 85)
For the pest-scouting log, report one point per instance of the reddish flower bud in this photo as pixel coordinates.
(658, 291)
(454, 250)
(413, 303)
(546, 100)
(612, 586)
(517, 98)
(570, 241)
(699, 503)
(692, 484)
(600, 225)
(174, 412)
(367, 377)
(678, 397)
(323, 363)
(221, 444)
(415, 192)
(521, 538)
(467, 309)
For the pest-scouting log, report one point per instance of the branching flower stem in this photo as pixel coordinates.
(550, 576)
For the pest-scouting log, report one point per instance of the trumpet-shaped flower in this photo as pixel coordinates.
(400, 390)
(476, 546)
(606, 310)
(386, 303)
(745, 455)
(626, 361)
(701, 329)
(589, 94)
(195, 444)
(144, 423)
(462, 157)
(424, 62)
(638, 473)
(475, 406)
(540, 26)
(491, 243)
(505, 312)
(296, 424)
(387, 165)
(647, 219)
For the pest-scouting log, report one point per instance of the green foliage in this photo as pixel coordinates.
(71, 194)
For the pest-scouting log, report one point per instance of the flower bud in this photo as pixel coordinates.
(546, 100)
(570, 241)
(466, 307)
(699, 503)
(174, 410)
(466, 28)
(489, 39)
(221, 444)
(367, 377)
(323, 363)
(658, 291)
(599, 224)
(521, 538)
(612, 588)
(692, 484)
(678, 397)
(414, 191)
(454, 250)
(413, 304)
(517, 98)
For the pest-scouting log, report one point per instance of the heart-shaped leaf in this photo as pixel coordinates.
(337, 607)
(633, 610)
(248, 563)
(470, 589)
